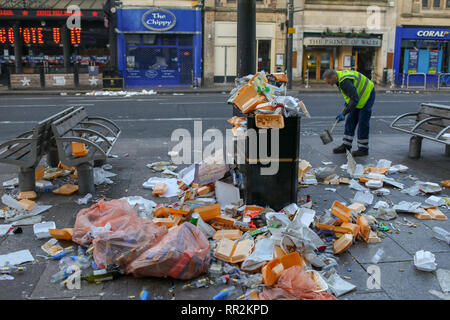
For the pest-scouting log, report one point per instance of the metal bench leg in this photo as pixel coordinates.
(52, 157)
(447, 150)
(415, 147)
(85, 179)
(27, 181)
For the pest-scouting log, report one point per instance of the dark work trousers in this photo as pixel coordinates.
(360, 118)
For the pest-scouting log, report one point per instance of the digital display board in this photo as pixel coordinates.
(39, 35)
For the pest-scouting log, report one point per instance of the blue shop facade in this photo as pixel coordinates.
(422, 53)
(159, 46)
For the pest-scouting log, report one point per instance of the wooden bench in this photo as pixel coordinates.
(97, 134)
(432, 122)
(26, 150)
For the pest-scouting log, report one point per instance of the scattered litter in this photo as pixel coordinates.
(410, 207)
(337, 285)
(383, 213)
(398, 168)
(161, 166)
(378, 255)
(381, 204)
(5, 228)
(429, 187)
(85, 199)
(226, 193)
(356, 186)
(382, 192)
(425, 261)
(330, 189)
(102, 176)
(443, 277)
(52, 248)
(11, 184)
(41, 229)
(374, 184)
(383, 163)
(364, 197)
(172, 186)
(441, 234)
(15, 258)
(435, 201)
(444, 296)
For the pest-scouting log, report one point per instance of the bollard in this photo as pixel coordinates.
(447, 150)
(415, 147)
(52, 157)
(85, 179)
(27, 181)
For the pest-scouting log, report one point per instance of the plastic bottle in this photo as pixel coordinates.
(223, 279)
(203, 282)
(62, 274)
(377, 257)
(225, 293)
(441, 234)
(9, 269)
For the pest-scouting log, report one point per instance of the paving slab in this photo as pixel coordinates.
(46, 289)
(402, 281)
(363, 252)
(419, 238)
(381, 295)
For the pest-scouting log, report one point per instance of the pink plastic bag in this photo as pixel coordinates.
(294, 284)
(126, 243)
(182, 254)
(114, 212)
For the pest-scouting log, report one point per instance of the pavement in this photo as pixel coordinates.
(149, 140)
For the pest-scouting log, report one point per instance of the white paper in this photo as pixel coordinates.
(187, 175)
(304, 216)
(172, 186)
(4, 228)
(226, 193)
(15, 258)
(38, 209)
(364, 197)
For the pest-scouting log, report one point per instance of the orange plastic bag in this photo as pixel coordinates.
(184, 253)
(126, 243)
(98, 215)
(294, 284)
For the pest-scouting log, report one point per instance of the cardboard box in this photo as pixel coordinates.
(66, 190)
(30, 195)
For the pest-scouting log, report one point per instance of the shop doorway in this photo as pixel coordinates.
(315, 63)
(264, 53)
(364, 61)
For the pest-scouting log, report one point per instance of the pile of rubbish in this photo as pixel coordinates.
(259, 96)
(122, 93)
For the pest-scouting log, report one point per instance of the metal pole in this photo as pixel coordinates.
(17, 49)
(290, 42)
(246, 37)
(66, 47)
(112, 41)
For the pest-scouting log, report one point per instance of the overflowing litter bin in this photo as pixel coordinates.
(260, 108)
(274, 190)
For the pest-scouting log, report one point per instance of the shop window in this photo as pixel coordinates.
(149, 39)
(168, 40)
(447, 5)
(133, 39)
(426, 56)
(152, 58)
(436, 4)
(425, 4)
(185, 40)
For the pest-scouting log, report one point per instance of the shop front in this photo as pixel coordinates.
(421, 55)
(37, 42)
(159, 46)
(341, 53)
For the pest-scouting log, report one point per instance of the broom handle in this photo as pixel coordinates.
(334, 126)
(335, 123)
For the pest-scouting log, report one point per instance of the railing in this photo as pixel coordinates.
(416, 74)
(447, 81)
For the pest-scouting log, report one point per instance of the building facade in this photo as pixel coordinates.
(36, 43)
(220, 38)
(422, 42)
(344, 35)
(160, 43)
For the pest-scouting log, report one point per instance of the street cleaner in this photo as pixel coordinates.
(359, 95)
